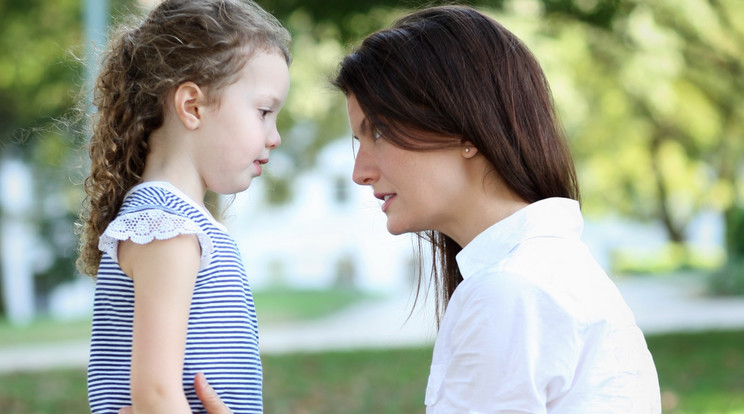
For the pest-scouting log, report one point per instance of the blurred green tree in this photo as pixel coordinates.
(36, 70)
(38, 74)
(41, 81)
(650, 92)
(659, 132)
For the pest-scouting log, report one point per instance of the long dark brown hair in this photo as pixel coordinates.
(203, 41)
(458, 75)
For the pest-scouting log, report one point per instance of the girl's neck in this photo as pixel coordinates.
(168, 160)
(195, 193)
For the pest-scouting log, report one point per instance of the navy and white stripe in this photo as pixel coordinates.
(222, 338)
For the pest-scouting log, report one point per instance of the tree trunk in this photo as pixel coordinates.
(675, 232)
(734, 217)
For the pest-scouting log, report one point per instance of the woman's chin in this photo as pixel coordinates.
(397, 228)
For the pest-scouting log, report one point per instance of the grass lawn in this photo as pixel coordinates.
(380, 381)
(282, 305)
(43, 331)
(700, 373)
(272, 305)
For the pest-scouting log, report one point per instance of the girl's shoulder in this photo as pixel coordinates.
(163, 195)
(152, 211)
(155, 195)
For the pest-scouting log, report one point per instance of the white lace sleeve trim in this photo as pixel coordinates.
(144, 226)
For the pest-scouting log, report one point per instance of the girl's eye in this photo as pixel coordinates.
(264, 112)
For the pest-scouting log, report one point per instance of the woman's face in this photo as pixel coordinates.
(419, 190)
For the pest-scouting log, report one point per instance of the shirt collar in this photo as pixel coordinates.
(551, 217)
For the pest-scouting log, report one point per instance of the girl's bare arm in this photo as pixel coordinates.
(164, 274)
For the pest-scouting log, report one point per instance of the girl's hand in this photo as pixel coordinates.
(206, 394)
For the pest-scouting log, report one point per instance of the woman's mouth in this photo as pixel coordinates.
(387, 199)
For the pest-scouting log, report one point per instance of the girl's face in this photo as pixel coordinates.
(419, 190)
(238, 133)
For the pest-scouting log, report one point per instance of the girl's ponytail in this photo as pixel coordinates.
(118, 145)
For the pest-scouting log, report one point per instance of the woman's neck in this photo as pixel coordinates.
(487, 201)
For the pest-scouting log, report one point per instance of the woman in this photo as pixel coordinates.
(459, 139)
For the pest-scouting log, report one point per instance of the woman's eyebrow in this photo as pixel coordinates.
(363, 127)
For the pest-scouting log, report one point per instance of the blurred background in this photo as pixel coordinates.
(651, 94)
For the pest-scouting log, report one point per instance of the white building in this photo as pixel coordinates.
(331, 233)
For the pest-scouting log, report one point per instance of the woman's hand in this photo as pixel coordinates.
(208, 397)
(206, 394)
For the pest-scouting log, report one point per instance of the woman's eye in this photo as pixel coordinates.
(354, 145)
(264, 112)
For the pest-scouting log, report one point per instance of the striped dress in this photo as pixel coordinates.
(222, 338)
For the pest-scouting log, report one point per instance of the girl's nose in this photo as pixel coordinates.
(274, 140)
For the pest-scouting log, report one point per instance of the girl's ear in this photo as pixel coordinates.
(189, 101)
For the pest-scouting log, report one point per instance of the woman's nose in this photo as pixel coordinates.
(365, 170)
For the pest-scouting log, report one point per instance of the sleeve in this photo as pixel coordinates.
(512, 348)
(145, 225)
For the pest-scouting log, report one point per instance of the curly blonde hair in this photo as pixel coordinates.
(203, 41)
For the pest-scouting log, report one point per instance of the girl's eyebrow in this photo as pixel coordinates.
(273, 99)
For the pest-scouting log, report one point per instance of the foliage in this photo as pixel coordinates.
(41, 83)
(729, 280)
(36, 71)
(735, 232)
(651, 107)
(664, 260)
(37, 75)
(698, 373)
(651, 103)
(649, 92)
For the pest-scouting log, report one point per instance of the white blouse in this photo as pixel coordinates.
(536, 326)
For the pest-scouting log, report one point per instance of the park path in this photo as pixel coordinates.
(660, 304)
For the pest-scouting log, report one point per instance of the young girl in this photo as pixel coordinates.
(187, 101)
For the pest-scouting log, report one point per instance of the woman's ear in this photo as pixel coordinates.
(468, 149)
(189, 101)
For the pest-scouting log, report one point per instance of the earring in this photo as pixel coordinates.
(467, 149)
